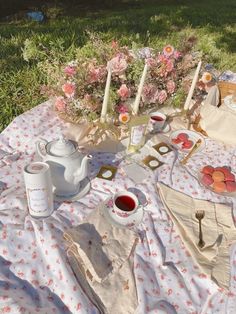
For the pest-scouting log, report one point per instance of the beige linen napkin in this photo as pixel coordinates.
(217, 227)
(95, 138)
(218, 123)
(101, 257)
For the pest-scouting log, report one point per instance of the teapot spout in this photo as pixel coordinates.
(82, 173)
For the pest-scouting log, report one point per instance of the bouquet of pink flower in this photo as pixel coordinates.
(80, 87)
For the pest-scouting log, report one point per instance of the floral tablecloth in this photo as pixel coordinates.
(35, 276)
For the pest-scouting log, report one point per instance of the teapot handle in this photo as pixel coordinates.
(39, 144)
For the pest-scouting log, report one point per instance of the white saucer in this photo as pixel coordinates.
(131, 221)
(165, 129)
(84, 189)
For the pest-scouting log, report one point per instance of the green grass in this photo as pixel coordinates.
(152, 23)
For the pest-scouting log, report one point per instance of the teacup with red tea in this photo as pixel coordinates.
(125, 204)
(157, 120)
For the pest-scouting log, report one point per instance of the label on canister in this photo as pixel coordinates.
(38, 200)
(39, 189)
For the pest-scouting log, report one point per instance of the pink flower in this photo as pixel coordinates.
(170, 85)
(169, 66)
(149, 93)
(70, 70)
(124, 91)
(122, 108)
(151, 62)
(177, 54)
(162, 59)
(118, 64)
(60, 104)
(162, 96)
(124, 117)
(69, 89)
(168, 50)
(96, 74)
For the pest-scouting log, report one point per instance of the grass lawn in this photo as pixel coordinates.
(148, 23)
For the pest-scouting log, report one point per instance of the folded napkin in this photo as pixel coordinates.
(96, 137)
(101, 256)
(218, 230)
(218, 123)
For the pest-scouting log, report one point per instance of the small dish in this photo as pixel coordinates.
(128, 222)
(191, 136)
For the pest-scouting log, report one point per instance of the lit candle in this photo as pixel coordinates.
(140, 89)
(106, 95)
(194, 82)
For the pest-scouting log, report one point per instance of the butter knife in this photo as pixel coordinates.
(194, 148)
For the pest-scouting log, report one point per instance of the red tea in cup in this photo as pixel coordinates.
(157, 118)
(125, 203)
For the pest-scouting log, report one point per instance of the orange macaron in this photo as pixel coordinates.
(219, 187)
(218, 176)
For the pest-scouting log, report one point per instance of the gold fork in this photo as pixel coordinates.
(200, 215)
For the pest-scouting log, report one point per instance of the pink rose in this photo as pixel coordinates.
(96, 74)
(60, 104)
(162, 96)
(124, 91)
(169, 66)
(69, 89)
(151, 62)
(118, 64)
(162, 59)
(70, 70)
(170, 85)
(177, 54)
(122, 108)
(149, 93)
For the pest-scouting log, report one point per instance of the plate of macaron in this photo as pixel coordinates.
(220, 180)
(184, 140)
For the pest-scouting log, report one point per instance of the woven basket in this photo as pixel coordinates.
(225, 88)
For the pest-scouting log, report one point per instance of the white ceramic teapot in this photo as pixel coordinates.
(67, 164)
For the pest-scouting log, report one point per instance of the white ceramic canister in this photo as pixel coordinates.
(38, 186)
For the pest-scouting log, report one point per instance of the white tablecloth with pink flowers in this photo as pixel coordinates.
(35, 276)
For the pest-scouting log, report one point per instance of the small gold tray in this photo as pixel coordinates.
(152, 162)
(107, 172)
(162, 148)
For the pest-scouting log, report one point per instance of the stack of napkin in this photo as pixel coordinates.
(218, 230)
(101, 257)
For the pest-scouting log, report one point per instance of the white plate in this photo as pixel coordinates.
(131, 221)
(229, 103)
(192, 136)
(84, 189)
(232, 194)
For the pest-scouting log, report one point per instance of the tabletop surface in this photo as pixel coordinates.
(35, 276)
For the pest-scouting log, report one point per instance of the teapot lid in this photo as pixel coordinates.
(62, 147)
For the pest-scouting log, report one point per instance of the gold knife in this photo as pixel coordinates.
(194, 148)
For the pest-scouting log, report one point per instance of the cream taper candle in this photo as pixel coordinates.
(140, 89)
(106, 95)
(194, 82)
